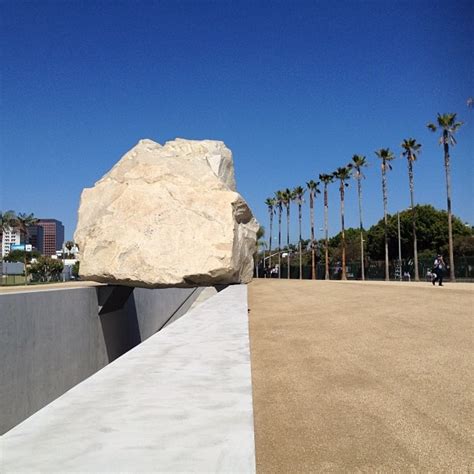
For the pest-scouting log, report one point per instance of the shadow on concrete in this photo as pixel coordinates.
(119, 320)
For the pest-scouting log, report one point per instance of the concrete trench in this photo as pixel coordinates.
(180, 401)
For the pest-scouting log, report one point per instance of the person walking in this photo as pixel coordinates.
(438, 269)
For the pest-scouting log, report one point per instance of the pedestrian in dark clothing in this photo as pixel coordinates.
(438, 270)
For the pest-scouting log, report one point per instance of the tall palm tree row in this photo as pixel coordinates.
(386, 156)
(326, 179)
(448, 126)
(411, 149)
(343, 173)
(313, 192)
(297, 195)
(359, 162)
(271, 203)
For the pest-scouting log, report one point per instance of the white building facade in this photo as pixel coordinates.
(10, 237)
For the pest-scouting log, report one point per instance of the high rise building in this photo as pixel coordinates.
(47, 236)
(10, 237)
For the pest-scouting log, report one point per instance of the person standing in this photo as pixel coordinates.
(438, 269)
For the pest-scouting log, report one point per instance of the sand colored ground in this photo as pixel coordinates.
(360, 377)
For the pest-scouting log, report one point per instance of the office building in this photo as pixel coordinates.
(47, 236)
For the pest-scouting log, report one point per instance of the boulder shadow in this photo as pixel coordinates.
(118, 318)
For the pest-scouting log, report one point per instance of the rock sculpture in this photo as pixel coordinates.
(167, 216)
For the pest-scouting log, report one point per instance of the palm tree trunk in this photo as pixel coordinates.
(301, 256)
(343, 236)
(413, 216)
(270, 242)
(279, 242)
(288, 237)
(362, 259)
(448, 194)
(24, 257)
(384, 192)
(313, 250)
(326, 231)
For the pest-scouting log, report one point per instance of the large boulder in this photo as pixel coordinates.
(167, 216)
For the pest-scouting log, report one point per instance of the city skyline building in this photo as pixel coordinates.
(47, 236)
(10, 237)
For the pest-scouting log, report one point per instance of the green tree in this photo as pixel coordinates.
(75, 270)
(343, 173)
(386, 156)
(411, 149)
(449, 126)
(313, 192)
(463, 245)
(352, 238)
(47, 269)
(359, 162)
(271, 203)
(432, 231)
(22, 222)
(297, 195)
(326, 179)
(21, 255)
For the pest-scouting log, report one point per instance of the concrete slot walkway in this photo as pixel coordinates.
(179, 402)
(362, 377)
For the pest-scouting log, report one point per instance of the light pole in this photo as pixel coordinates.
(399, 247)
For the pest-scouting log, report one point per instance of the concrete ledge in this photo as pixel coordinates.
(179, 402)
(53, 338)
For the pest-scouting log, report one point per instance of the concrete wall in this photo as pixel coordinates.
(51, 340)
(12, 268)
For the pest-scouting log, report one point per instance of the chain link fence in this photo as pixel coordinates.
(375, 270)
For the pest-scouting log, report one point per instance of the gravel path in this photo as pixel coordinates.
(352, 376)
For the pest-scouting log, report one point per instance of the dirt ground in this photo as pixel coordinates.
(362, 377)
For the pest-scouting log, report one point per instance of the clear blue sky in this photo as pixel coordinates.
(293, 88)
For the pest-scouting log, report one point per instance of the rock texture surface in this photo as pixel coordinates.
(167, 216)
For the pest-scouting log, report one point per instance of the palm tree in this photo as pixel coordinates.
(22, 222)
(260, 245)
(447, 123)
(68, 245)
(326, 179)
(411, 151)
(386, 156)
(359, 162)
(313, 191)
(7, 221)
(271, 203)
(287, 198)
(343, 173)
(279, 203)
(298, 193)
